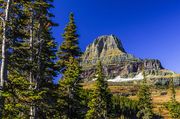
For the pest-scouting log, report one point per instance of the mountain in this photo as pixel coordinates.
(120, 66)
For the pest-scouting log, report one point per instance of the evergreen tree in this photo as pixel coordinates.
(173, 106)
(69, 102)
(17, 97)
(172, 89)
(26, 16)
(99, 104)
(69, 47)
(124, 107)
(41, 58)
(145, 101)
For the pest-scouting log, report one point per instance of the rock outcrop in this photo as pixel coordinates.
(116, 61)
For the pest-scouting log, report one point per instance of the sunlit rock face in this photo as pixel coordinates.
(108, 49)
(116, 61)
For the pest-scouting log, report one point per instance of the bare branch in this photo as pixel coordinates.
(3, 21)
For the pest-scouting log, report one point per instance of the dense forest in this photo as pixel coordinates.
(30, 60)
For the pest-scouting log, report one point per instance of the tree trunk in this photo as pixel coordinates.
(40, 44)
(35, 80)
(32, 112)
(4, 55)
(39, 53)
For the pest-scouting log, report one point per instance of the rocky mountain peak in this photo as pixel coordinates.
(108, 44)
(117, 63)
(102, 48)
(105, 45)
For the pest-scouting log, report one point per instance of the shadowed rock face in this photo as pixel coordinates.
(116, 61)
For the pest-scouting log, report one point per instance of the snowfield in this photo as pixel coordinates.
(119, 79)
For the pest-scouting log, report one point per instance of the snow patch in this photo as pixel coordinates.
(94, 79)
(119, 79)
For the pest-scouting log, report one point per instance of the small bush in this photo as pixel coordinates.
(174, 109)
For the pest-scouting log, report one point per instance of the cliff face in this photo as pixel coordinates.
(108, 49)
(104, 46)
(116, 61)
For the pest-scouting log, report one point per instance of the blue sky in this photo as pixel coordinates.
(147, 28)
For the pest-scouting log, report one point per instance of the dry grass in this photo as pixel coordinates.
(159, 100)
(88, 85)
(157, 97)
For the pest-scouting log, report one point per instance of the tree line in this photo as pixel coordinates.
(30, 60)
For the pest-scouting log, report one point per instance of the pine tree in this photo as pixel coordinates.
(20, 64)
(172, 89)
(173, 106)
(43, 49)
(124, 107)
(145, 101)
(101, 97)
(17, 97)
(69, 102)
(69, 47)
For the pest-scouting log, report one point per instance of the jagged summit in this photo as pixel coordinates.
(106, 48)
(109, 42)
